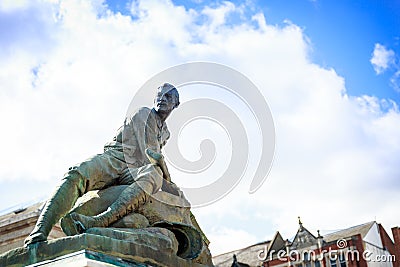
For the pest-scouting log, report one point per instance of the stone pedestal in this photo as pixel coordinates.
(87, 258)
(170, 237)
(95, 250)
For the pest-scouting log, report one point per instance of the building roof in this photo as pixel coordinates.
(248, 255)
(7, 220)
(361, 229)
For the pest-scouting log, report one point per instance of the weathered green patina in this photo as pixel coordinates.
(112, 203)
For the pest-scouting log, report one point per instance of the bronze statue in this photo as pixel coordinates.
(132, 158)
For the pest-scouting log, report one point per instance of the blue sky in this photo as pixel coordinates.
(343, 35)
(329, 71)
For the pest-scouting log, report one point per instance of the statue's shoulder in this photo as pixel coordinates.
(143, 111)
(140, 113)
(142, 116)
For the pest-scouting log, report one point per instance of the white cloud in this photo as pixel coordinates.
(395, 81)
(382, 58)
(60, 101)
(217, 16)
(9, 5)
(225, 239)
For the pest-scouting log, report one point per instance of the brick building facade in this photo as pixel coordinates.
(365, 245)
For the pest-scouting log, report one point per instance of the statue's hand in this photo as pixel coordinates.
(154, 156)
(158, 159)
(171, 188)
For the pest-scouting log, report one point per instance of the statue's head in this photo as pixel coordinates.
(167, 99)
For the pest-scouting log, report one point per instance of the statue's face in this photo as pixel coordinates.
(165, 102)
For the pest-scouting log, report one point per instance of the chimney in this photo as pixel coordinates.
(320, 240)
(396, 237)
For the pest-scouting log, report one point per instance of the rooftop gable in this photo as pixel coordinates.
(303, 238)
(361, 229)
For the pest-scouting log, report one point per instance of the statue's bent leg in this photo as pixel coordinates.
(149, 181)
(62, 200)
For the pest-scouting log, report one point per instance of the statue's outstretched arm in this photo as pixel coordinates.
(158, 158)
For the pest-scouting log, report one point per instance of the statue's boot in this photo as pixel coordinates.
(57, 206)
(130, 200)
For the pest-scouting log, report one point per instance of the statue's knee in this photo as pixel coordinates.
(150, 169)
(156, 176)
(154, 169)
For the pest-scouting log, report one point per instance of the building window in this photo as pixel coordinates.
(342, 260)
(333, 263)
(317, 263)
(307, 259)
(306, 256)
